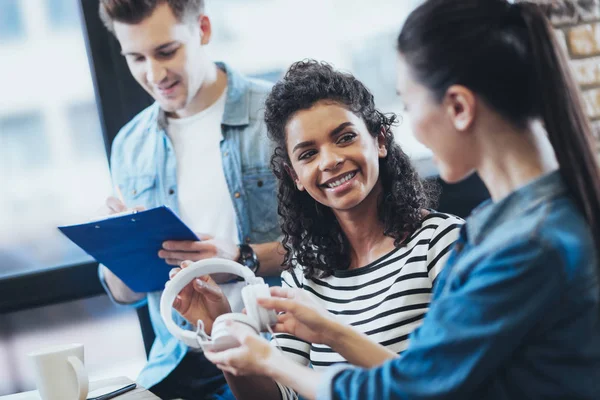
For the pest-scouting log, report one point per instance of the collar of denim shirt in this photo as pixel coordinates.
(237, 103)
(489, 214)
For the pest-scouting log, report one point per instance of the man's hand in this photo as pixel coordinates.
(201, 299)
(114, 205)
(120, 291)
(174, 252)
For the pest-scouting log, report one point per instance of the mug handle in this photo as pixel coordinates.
(82, 377)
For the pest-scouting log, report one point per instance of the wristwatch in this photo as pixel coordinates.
(248, 258)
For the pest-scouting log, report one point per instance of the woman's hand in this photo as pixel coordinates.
(201, 299)
(302, 316)
(254, 355)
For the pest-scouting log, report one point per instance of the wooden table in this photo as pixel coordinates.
(139, 393)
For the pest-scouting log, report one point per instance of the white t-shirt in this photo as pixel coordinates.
(205, 203)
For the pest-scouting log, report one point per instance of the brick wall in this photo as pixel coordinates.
(577, 26)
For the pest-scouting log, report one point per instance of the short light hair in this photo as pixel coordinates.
(135, 11)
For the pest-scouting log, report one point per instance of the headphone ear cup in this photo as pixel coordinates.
(220, 338)
(264, 318)
(249, 299)
(220, 324)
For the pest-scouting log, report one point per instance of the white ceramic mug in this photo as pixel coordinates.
(59, 372)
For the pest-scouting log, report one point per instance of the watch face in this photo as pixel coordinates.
(248, 257)
(250, 264)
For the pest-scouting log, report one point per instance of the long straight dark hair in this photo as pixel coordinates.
(508, 55)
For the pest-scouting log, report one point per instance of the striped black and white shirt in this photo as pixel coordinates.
(386, 299)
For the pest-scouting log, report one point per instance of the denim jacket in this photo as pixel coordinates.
(514, 315)
(143, 165)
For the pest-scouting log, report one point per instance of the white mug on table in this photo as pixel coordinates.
(59, 372)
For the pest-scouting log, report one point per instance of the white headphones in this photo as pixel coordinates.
(257, 317)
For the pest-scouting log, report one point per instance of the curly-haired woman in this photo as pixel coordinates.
(357, 231)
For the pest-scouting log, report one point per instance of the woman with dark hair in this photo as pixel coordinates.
(359, 237)
(313, 116)
(515, 312)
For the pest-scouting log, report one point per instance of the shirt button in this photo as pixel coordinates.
(237, 195)
(259, 183)
(134, 192)
(171, 191)
(225, 154)
(248, 239)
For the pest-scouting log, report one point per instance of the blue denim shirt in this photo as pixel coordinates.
(143, 164)
(514, 315)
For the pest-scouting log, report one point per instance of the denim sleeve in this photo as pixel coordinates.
(115, 171)
(471, 329)
(136, 304)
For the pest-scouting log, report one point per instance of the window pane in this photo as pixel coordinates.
(263, 37)
(84, 128)
(53, 166)
(23, 142)
(11, 24)
(63, 14)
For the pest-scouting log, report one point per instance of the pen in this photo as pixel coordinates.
(118, 190)
(114, 393)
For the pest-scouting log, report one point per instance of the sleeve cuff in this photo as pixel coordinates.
(325, 387)
(136, 304)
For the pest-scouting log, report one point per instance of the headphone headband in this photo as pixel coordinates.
(185, 276)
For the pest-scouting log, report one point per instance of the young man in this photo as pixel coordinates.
(200, 149)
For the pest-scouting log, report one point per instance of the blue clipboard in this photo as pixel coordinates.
(128, 244)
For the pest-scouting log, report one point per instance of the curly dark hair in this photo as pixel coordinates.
(313, 238)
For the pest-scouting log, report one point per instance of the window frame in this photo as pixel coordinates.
(118, 96)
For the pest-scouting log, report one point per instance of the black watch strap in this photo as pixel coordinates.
(248, 258)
